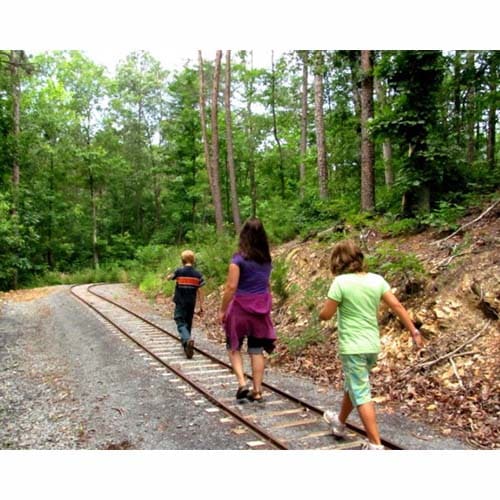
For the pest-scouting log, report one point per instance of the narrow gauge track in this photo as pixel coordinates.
(282, 420)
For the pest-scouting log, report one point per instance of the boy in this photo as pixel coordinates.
(188, 283)
(355, 296)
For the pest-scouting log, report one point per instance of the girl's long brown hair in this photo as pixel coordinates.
(346, 257)
(253, 243)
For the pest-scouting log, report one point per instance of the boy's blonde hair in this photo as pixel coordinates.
(187, 257)
(346, 257)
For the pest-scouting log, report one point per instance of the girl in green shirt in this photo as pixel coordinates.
(355, 296)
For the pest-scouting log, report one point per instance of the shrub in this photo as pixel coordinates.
(312, 335)
(279, 279)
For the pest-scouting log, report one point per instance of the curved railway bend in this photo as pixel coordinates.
(149, 396)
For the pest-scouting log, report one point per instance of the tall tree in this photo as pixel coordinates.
(381, 92)
(230, 148)
(250, 128)
(367, 148)
(471, 107)
(211, 148)
(320, 124)
(304, 55)
(17, 61)
(219, 221)
(281, 171)
(416, 78)
(203, 120)
(493, 60)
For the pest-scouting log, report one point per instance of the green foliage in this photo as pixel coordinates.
(401, 227)
(151, 284)
(445, 217)
(104, 274)
(123, 156)
(213, 260)
(398, 267)
(316, 293)
(312, 335)
(279, 279)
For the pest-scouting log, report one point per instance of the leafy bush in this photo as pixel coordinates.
(312, 335)
(279, 279)
(445, 217)
(315, 294)
(399, 268)
(151, 284)
(400, 227)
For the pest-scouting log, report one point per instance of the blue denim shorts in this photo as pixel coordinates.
(357, 376)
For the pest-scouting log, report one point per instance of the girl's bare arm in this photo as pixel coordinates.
(233, 276)
(391, 300)
(328, 311)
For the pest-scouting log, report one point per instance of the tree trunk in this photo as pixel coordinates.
(356, 97)
(250, 138)
(320, 125)
(471, 146)
(230, 150)
(15, 62)
(457, 98)
(219, 223)
(492, 112)
(204, 133)
(303, 124)
(367, 149)
(93, 202)
(386, 145)
(275, 127)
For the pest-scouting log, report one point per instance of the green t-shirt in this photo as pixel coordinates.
(358, 296)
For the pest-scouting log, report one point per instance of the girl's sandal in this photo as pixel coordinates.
(242, 392)
(255, 396)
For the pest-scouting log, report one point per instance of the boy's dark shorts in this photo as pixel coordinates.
(257, 346)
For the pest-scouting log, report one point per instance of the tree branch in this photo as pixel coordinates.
(461, 228)
(452, 353)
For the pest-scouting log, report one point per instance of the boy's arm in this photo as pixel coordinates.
(199, 299)
(329, 309)
(391, 300)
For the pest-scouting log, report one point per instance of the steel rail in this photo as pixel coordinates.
(256, 428)
(388, 444)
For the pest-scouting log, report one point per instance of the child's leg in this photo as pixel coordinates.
(182, 327)
(368, 417)
(357, 383)
(237, 364)
(258, 366)
(346, 408)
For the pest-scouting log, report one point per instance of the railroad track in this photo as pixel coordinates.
(282, 421)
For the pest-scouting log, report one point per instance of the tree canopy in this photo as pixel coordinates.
(94, 166)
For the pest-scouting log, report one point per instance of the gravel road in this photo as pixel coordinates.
(69, 381)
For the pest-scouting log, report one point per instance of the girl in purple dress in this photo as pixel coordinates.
(246, 307)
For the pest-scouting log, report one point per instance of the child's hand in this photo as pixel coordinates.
(418, 340)
(222, 317)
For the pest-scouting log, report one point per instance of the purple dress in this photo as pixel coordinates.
(249, 314)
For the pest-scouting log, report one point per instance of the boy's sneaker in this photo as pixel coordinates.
(372, 446)
(189, 348)
(337, 427)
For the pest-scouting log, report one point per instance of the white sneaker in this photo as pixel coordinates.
(337, 427)
(372, 446)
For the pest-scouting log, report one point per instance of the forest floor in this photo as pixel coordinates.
(453, 383)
